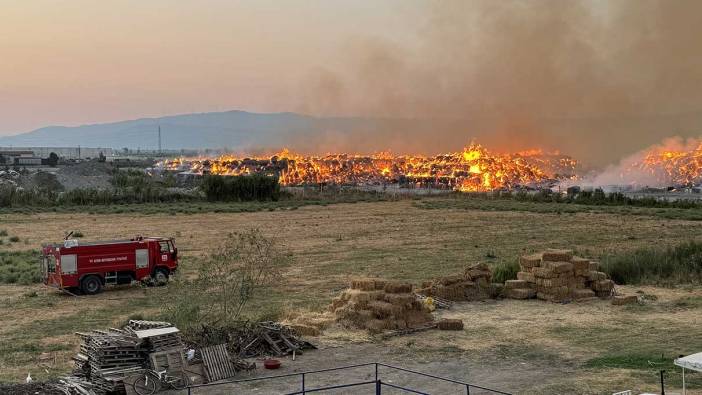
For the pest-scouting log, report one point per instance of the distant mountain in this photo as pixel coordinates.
(234, 129)
(598, 140)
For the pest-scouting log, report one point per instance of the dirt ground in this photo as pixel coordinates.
(522, 346)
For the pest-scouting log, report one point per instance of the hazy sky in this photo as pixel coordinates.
(83, 61)
(77, 61)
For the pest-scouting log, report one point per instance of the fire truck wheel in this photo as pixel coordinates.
(91, 285)
(160, 277)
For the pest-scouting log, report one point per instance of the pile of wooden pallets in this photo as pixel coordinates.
(473, 284)
(107, 357)
(558, 276)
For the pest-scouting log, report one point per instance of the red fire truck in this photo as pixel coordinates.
(89, 266)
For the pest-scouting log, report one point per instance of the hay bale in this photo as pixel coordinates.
(384, 309)
(363, 284)
(478, 271)
(375, 326)
(603, 285)
(398, 288)
(448, 324)
(596, 276)
(542, 272)
(619, 300)
(526, 276)
(554, 282)
(604, 294)
(427, 284)
(519, 293)
(594, 266)
(496, 289)
(528, 262)
(580, 264)
(399, 299)
(450, 280)
(557, 255)
(305, 330)
(558, 266)
(417, 317)
(516, 284)
(580, 294)
(379, 284)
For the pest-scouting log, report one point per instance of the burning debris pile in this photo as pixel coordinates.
(671, 166)
(473, 169)
(378, 305)
(558, 276)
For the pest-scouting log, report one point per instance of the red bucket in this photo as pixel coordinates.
(271, 364)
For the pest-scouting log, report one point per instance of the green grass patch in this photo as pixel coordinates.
(631, 361)
(505, 271)
(678, 264)
(19, 267)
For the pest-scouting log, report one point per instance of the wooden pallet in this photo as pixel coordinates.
(217, 363)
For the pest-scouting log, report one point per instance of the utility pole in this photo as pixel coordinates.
(159, 138)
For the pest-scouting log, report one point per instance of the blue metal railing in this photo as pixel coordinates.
(378, 383)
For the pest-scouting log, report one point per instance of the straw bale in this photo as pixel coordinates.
(305, 330)
(542, 272)
(530, 261)
(603, 285)
(594, 266)
(526, 276)
(496, 289)
(379, 284)
(597, 276)
(544, 296)
(583, 294)
(398, 287)
(448, 324)
(582, 272)
(479, 270)
(516, 284)
(400, 299)
(604, 294)
(554, 282)
(415, 318)
(428, 291)
(579, 263)
(556, 255)
(450, 280)
(427, 284)
(363, 284)
(619, 300)
(558, 266)
(375, 326)
(384, 309)
(520, 293)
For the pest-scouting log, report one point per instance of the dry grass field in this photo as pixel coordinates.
(588, 347)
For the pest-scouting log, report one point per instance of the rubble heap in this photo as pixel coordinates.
(473, 284)
(107, 357)
(378, 305)
(558, 276)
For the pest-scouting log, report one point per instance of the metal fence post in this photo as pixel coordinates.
(378, 387)
(303, 384)
(376, 371)
(188, 390)
(467, 389)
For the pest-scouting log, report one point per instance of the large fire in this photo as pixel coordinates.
(473, 169)
(670, 167)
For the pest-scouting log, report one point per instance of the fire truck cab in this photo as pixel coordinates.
(89, 266)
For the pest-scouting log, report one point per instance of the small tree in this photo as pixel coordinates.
(53, 159)
(226, 281)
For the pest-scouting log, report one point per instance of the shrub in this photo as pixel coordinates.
(656, 265)
(77, 234)
(14, 239)
(505, 271)
(241, 188)
(3, 232)
(19, 267)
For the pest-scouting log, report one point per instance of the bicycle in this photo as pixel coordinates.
(152, 380)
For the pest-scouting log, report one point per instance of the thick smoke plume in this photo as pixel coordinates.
(596, 79)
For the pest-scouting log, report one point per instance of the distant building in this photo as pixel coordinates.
(70, 153)
(22, 157)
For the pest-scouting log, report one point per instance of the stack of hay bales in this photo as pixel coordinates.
(378, 305)
(473, 284)
(558, 276)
